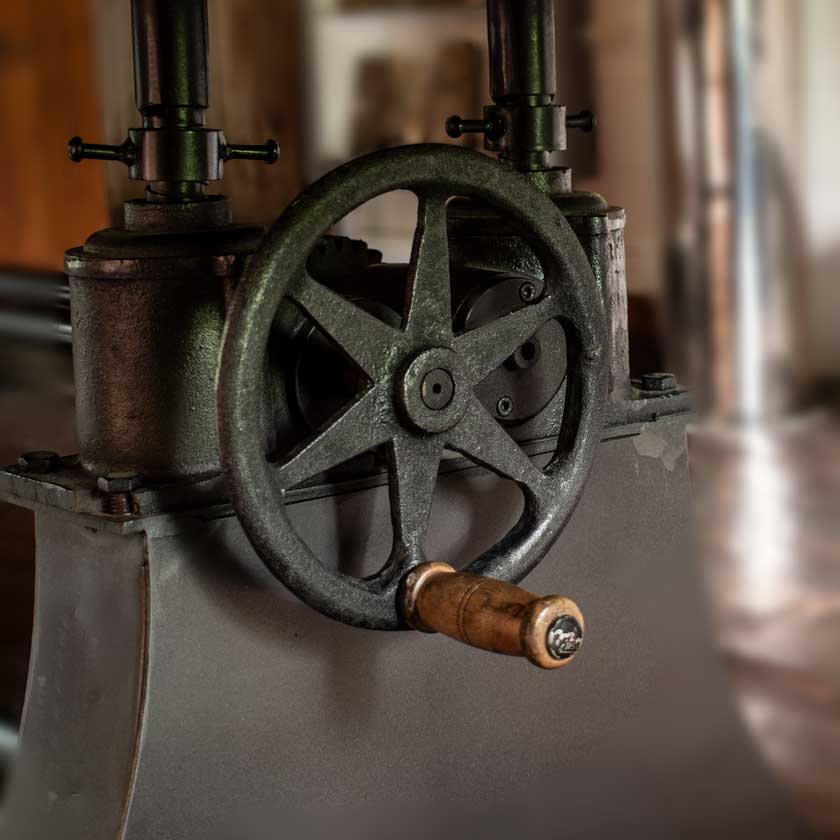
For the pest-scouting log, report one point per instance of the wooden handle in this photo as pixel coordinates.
(491, 614)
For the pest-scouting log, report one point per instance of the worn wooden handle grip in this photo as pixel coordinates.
(491, 614)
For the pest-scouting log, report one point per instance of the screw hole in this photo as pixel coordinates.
(504, 406)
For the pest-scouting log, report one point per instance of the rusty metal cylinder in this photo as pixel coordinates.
(148, 308)
(521, 40)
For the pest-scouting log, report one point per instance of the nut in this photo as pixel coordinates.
(39, 461)
(659, 382)
(119, 482)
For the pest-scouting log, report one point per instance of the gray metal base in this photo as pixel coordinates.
(177, 690)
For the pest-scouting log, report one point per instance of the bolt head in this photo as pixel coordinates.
(119, 483)
(272, 152)
(527, 291)
(564, 637)
(437, 389)
(659, 382)
(38, 461)
(453, 126)
(504, 407)
(76, 149)
(428, 394)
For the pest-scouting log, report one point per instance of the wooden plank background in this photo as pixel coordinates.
(47, 94)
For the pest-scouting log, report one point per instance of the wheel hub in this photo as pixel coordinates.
(432, 390)
(437, 389)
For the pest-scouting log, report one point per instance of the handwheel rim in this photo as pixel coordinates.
(280, 261)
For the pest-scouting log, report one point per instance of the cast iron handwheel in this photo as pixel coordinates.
(407, 405)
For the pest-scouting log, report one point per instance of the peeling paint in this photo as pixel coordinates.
(666, 448)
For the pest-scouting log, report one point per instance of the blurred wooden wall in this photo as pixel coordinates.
(256, 62)
(47, 94)
(255, 59)
(623, 38)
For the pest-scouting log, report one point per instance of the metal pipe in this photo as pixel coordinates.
(170, 59)
(171, 92)
(30, 326)
(735, 242)
(34, 307)
(26, 288)
(9, 744)
(749, 349)
(521, 39)
(523, 82)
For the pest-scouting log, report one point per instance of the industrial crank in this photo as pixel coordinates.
(243, 400)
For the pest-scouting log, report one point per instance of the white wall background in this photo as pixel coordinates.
(821, 176)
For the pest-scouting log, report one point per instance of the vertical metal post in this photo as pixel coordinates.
(170, 60)
(525, 126)
(521, 39)
(170, 81)
(735, 226)
(749, 351)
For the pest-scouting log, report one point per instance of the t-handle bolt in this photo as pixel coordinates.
(268, 152)
(585, 121)
(491, 128)
(78, 151)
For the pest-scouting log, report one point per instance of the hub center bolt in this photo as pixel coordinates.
(437, 389)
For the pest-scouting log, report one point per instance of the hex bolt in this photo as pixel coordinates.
(527, 291)
(504, 406)
(38, 461)
(659, 382)
(119, 482)
(118, 504)
(117, 489)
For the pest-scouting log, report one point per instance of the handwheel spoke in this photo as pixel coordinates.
(485, 348)
(363, 337)
(363, 426)
(414, 464)
(484, 441)
(429, 307)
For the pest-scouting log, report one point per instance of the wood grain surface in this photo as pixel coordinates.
(47, 94)
(484, 613)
